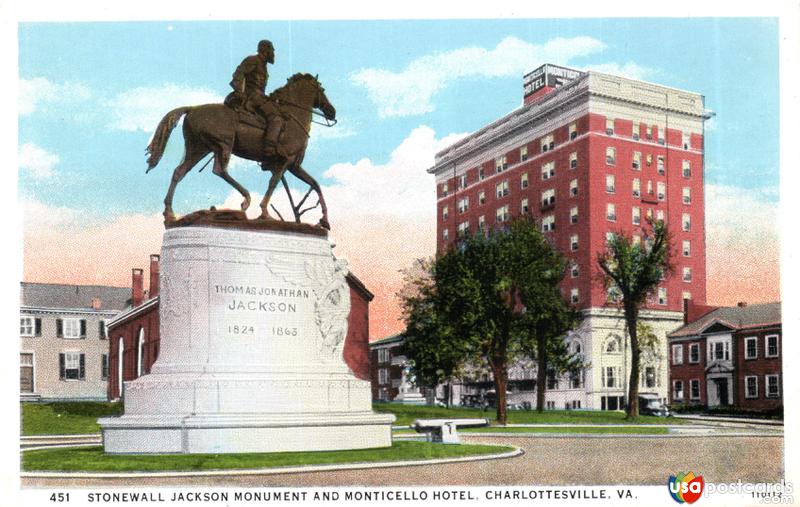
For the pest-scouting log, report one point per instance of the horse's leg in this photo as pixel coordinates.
(277, 172)
(223, 156)
(305, 177)
(193, 153)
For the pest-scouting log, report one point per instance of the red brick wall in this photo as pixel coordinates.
(688, 371)
(760, 367)
(129, 332)
(356, 344)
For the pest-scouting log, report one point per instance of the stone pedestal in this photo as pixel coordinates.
(253, 325)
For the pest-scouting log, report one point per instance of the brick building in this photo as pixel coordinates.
(728, 357)
(390, 373)
(590, 155)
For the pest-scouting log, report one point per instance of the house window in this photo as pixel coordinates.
(662, 296)
(661, 190)
(481, 197)
(523, 180)
(573, 242)
(610, 126)
(573, 215)
(677, 353)
(611, 212)
(660, 165)
(549, 223)
(463, 229)
(481, 223)
(636, 215)
(611, 376)
(751, 347)
(637, 187)
(444, 189)
(573, 160)
(687, 140)
(687, 274)
(548, 170)
(523, 153)
(71, 366)
(574, 296)
(104, 367)
(463, 205)
(719, 351)
(694, 353)
(102, 330)
(687, 195)
(30, 326)
(686, 222)
(502, 214)
(502, 189)
(548, 197)
(771, 345)
(773, 387)
(611, 155)
(501, 164)
(687, 168)
(677, 390)
(444, 212)
(523, 207)
(573, 187)
(71, 328)
(383, 355)
(687, 248)
(751, 386)
(694, 389)
(611, 185)
(637, 160)
(573, 131)
(575, 270)
(636, 131)
(462, 181)
(481, 174)
(547, 143)
(383, 376)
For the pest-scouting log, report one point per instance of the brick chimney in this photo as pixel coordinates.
(741, 304)
(154, 271)
(137, 289)
(96, 304)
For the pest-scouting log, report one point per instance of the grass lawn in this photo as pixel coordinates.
(65, 418)
(93, 459)
(406, 414)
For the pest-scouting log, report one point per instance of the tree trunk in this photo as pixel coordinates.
(633, 385)
(541, 371)
(500, 373)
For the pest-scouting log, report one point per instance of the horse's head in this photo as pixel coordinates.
(310, 88)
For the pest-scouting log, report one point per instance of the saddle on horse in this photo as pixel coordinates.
(272, 126)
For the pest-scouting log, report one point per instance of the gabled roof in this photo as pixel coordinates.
(63, 296)
(733, 318)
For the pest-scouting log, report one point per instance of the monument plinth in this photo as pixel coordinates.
(253, 325)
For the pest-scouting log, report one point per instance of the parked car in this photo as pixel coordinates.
(650, 404)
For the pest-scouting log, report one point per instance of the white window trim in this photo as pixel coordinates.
(747, 394)
(691, 395)
(777, 384)
(677, 359)
(67, 354)
(675, 391)
(697, 347)
(766, 346)
(32, 326)
(746, 341)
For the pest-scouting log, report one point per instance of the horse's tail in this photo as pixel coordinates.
(156, 147)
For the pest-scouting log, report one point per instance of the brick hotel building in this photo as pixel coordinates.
(588, 155)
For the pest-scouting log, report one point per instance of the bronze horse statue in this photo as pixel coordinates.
(217, 129)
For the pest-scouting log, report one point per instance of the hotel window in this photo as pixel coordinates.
(773, 386)
(650, 187)
(383, 376)
(694, 353)
(481, 223)
(481, 197)
(686, 295)
(751, 347)
(501, 164)
(576, 382)
(462, 181)
(636, 215)
(661, 190)
(523, 180)
(502, 214)
(502, 189)
(481, 174)
(686, 222)
(694, 389)
(523, 153)
(71, 328)
(677, 354)
(444, 189)
(611, 376)
(445, 234)
(648, 132)
(463, 205)
(548, 197)
(104, 367)
(677, 390)
(686, 138)
(637, 160)
(523, 207)
(687, 168)
(574, 296)
(613, 345)
(575, 270)
(637, 187)
(611, 155)
(444, 213)
(649, 159)
(573, 242)
(72, 366)
(662, 133)
(463, 229)
(687, 274)
(649, 213)
(30, 326)
(611, 212)
(649, 377)
(771, 345)
(611, 186)
(573, 160)
(573, 131)
(548, 170)
(660, 165)
(549, 223)
(573, 187)
(573, 215)
(636, 131)
(751, 386)
(610, 126)
(687, 195)
(547, 143)
(687, 248)
(660, 215)
(662, 296)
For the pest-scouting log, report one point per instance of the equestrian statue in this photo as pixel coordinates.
(272, 130)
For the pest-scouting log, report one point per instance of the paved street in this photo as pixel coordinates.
(547, 461)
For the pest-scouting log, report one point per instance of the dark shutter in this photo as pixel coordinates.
(83, 328)
(82, 374)
(102, 329)
(59, 328)
(37, 323)
(61, 371)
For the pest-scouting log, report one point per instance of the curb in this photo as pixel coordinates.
(623, 435)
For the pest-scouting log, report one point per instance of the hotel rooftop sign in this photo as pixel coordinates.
(548, 75)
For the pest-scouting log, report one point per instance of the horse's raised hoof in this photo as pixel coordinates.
(323, 222)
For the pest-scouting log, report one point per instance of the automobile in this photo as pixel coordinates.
(650, 404)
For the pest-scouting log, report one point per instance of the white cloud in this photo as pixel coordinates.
(39, 93)
(630, 70)
(737, 215)
(142, 108)
(37, 161)
(409, 92)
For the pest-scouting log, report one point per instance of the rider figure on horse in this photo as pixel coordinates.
(249, 86)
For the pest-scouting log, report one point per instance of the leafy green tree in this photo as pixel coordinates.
(633, 270)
